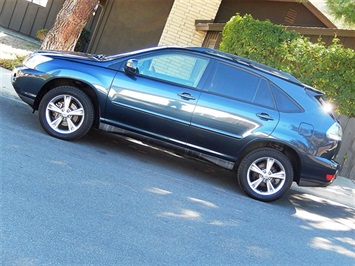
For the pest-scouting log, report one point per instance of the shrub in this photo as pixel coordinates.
(260, 41)
(330, 69)
(11, 63)
(41, 34)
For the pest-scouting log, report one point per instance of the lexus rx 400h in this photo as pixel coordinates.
(264, 124)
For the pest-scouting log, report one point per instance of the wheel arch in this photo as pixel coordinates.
(289, 151)
(83, 86)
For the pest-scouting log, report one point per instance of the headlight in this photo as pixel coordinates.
(335, 132)
(33, 61)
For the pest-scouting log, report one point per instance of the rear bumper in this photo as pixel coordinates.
(318, 172)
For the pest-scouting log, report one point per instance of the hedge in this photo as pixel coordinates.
(328, 68)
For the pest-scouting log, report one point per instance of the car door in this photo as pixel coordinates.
(236, 105)
(160, 98)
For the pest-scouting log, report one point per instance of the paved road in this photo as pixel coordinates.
(107, 200)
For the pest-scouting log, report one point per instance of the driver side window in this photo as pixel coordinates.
(175, 67)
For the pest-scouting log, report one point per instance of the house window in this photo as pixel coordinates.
(39, 2)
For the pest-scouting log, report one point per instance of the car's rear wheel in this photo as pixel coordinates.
(66, 112)
(265, 174)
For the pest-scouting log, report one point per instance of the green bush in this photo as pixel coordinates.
(330, 69)
(260, 41)
(41, 34)
(11, 63)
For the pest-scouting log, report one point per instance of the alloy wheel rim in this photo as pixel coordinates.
(266, 176)
(65, 114)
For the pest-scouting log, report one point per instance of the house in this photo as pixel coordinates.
(123, 25)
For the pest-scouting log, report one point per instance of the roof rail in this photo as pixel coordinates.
(248, 62)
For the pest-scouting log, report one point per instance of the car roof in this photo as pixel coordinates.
(222, 55)
(246, 62)
(227, 56)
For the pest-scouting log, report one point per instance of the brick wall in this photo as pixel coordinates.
(180, 26)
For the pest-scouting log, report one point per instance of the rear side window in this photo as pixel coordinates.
(284, 102)
(263, 95)
(236, 83)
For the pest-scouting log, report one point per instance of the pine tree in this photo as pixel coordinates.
(68, 25)
(343, 9)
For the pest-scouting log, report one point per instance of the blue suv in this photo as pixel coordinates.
(264, 124)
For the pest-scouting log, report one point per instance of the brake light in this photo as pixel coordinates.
(329, 177)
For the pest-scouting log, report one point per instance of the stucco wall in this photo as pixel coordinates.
(180, 26)
(128, 25)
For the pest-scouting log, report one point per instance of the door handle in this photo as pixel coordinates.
(186, 96)
(264, 116)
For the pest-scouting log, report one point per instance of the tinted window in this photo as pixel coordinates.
(284, 102)
(178, 68)
(234, 82)
(263, 95)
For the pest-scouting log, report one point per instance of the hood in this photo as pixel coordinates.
(70, 55)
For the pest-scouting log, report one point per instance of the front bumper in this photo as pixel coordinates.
(27, 83)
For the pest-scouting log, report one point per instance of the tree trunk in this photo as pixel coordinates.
(68, 25)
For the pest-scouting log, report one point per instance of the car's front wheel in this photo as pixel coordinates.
(265, 174)
(66, 112)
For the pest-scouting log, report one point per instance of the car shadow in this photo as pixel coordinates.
(157, 155)
(326, 225)
(330, 226)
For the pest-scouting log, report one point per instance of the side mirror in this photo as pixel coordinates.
(131, 67)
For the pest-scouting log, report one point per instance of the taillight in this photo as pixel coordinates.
(330, 177)
(335, 132)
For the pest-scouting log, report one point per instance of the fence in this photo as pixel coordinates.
(27, 17)
(346, 155)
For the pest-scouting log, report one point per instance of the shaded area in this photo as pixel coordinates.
(13, 44)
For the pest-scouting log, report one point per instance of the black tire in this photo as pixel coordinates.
(66, 113)
(265, 174)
